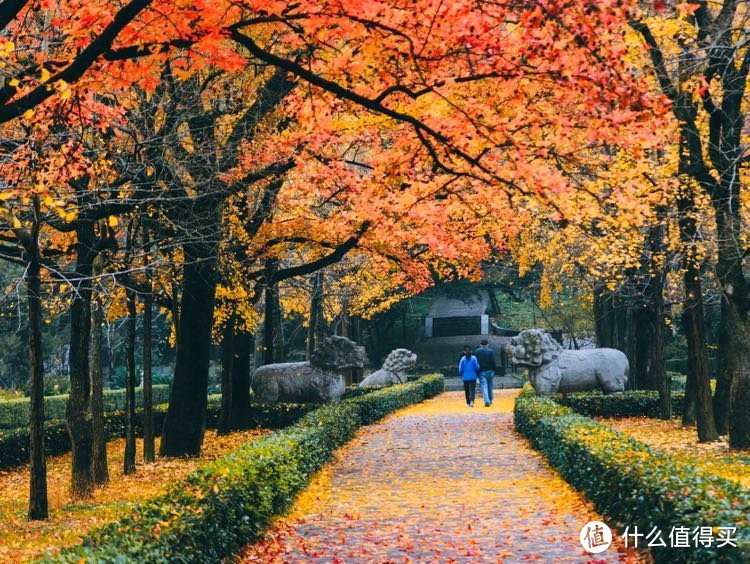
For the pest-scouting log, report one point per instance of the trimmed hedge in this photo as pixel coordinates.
(14, 444)
(633, 484)
(632, 403)
(230, 502)
(15, 413)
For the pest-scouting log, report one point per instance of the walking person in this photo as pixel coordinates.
(468, 369)
(486, 358)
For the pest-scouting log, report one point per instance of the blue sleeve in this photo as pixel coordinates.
(461, 365)
(476, 363)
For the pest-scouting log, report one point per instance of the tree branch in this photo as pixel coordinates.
(100, 45)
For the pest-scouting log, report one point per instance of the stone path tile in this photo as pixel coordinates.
(437, 482)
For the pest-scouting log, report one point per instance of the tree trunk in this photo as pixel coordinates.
(655, 295)
(99, 468)
(148, 396)
(697, 357)
(279, 344)
(603, 318)
(243, 347)
(227, 369)
(735, 333)
(316, 313)
(38, 508)
(634, 382)
(185, 422)
(78, 416)
(273, 338)
(728, 365)
(644, 337)
(129, 460)
(689, 404)
(698, 406)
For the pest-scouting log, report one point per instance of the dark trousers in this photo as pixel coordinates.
(470, 389)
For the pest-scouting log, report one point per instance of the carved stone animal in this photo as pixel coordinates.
(394, 369)
(553, 369)
(317, 381)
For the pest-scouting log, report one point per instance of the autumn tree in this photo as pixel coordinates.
(407, 133)
(702, 68)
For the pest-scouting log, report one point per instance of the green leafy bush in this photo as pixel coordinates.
(356, 391)
(14, 443)
(633, 484)
(229, 503)
(632, 403)
(15, 413)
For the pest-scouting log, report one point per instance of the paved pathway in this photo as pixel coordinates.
(437, 482)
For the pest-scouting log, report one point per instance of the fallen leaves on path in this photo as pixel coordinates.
(437, 481)
(681, 442)
(70, 520)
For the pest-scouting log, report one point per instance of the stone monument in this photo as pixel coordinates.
(317, 380)
(394, 369)
(553, 369)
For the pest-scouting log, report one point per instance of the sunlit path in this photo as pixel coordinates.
(437, 481)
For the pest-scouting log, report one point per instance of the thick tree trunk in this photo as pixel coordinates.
(38, 508)
(735, 331)
(728, 366)
(641, 369)
(697, 357)
(632, 347)
(78, 416)
(185, 422)
(655, 296)
(603, 317)
(689, 404)
(243, 348)
(316, 313)
(698, 407)
(739, 428)
(99, 469)
(129, 459)
(148, 395)
(273, 337)
(227, 369)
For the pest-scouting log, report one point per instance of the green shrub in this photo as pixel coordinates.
(15, 413)
(229, 503)
(355, 391)
(7, 394)
(631, 403)
(634, 485)
(14, 443)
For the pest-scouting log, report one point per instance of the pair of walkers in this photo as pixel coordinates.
(477, 365)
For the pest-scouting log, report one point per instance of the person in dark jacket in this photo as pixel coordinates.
(486, 358)
(468, 369)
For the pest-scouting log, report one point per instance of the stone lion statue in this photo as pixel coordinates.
(553, 369)
(394, 369)
(317, 380)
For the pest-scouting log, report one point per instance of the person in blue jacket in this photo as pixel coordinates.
(468, 369)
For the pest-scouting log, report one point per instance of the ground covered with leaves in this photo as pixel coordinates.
(439, 482)
(681, 442)
(70, 520)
